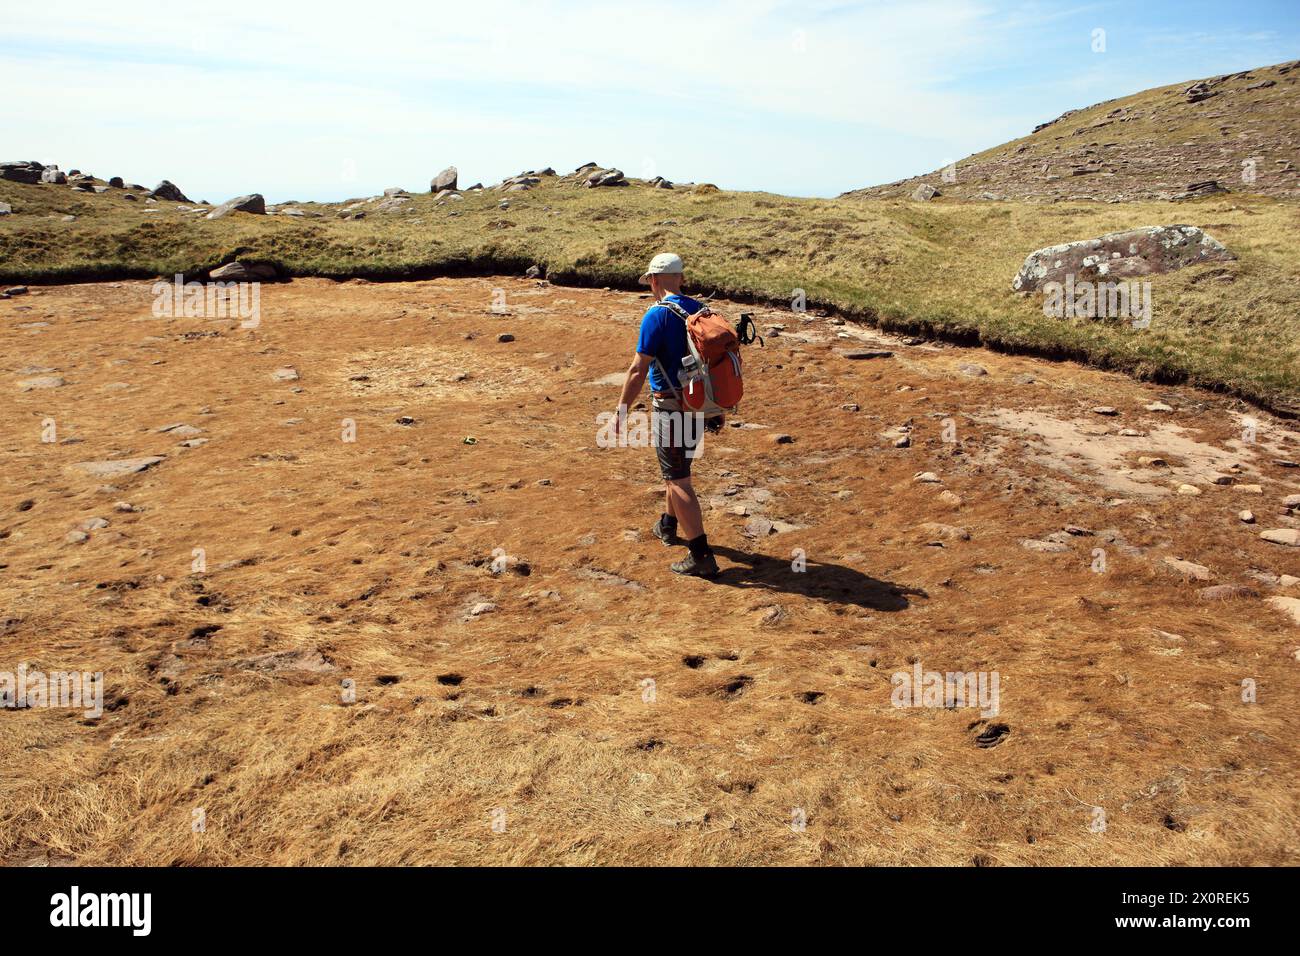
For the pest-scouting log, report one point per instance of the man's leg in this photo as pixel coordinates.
(685, 507)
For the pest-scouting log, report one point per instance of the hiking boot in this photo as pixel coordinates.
(664, 534)
(705, 567)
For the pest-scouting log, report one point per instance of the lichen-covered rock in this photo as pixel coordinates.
(1152, 250)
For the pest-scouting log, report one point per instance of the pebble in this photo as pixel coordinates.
(483, 607)
(1043, 547)
(76, 537)
(1159, 407)
(783, 439)
(926, 477)
(1226, 592)
(505, 337)
(1247, 517)
(1188, 490)
(286, 374)
(1104, 410)
(971, 369)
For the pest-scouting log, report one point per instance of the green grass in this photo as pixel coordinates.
(941, 268)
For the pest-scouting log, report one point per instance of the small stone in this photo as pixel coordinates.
(971, 369)
(850, 407)
(1043, 547)
(1188, 490)
(950, 498)
(505, 337)
(94, 524)
(483, 607)
(757, 527)
(1188, 569)
(1286, 463)
(926, 478)
(124, 506)
(286, 374)
(76, 537)
(1291, 501)
(1246, 517)
(41, 382)
(902, 441)
(783, 439)
(1226, 592)
(1105, 410)
(1159, 407)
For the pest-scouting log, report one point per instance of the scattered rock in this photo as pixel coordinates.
(971, 369)
(1188, 569)
(782, 439)
(505, 337)
(924, 193)
(118, 468)
(41, 382)
(1159, 407)
(757, 527)
(1104, 410)
(253, 204)
(1044, 547)
(926, 478)
(286, 374)
(1246, 517)
(1226, 592)
(1286, 536)
(242, 272)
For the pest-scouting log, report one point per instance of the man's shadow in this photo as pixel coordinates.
(819, 580)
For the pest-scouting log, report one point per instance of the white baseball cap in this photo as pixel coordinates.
(666, 263)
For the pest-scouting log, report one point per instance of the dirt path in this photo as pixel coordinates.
(597, 708)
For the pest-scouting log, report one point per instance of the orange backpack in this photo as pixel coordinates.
(718, 385)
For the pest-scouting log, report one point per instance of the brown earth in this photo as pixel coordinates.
(330, 561)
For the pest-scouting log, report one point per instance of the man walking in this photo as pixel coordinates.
(659, 350)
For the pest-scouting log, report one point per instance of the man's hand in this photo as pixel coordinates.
(619, 420)
(636, 374)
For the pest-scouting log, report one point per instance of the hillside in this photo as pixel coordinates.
(1154, 145)
(930, 269)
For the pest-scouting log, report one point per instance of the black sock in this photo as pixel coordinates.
(668, 522)
(699, 546)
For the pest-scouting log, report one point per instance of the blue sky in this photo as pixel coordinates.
(319, 99)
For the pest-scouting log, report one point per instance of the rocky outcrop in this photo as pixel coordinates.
(604, 177)
(444, 180)
(167, 190)
(21, 172)
(1120, 255)
(252, 203)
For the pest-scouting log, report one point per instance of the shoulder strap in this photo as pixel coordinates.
(676, 309)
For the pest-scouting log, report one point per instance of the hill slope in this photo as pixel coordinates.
(1151, 145)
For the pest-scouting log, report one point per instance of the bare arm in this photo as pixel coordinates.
(636, 374)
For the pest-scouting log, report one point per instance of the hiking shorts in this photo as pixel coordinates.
(677, 436)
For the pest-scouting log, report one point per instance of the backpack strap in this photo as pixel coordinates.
(676, 309)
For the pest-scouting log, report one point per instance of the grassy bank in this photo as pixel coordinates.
(939, 268)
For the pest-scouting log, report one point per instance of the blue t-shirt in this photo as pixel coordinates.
(663, 336)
